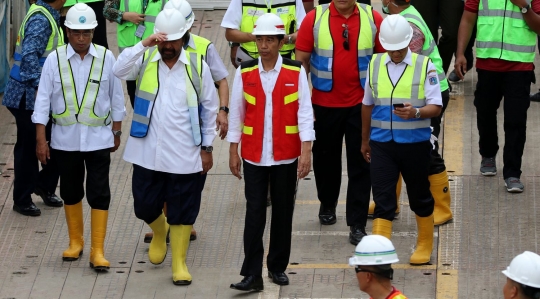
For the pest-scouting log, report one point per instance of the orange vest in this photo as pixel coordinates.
(285, 135)
(396, 294)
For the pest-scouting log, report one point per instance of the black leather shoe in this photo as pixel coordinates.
(356, 234)
(250, 283)
(49, 199)
(535, 97)
(279, 278)
(327, 216)
(29, 210)
(452, 77)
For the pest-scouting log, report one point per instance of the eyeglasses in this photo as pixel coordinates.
(76, 34)
(346, 37)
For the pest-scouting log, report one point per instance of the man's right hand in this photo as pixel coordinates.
(233, 56)
(42, 152)
(235, 164)
(366, 151)
(155, 39)
(460, 66)
(133, 17)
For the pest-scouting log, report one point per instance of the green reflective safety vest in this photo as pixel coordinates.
(502, 33)
(429, 48)
(84, 113)
(55, 39)
(126, 30)
(201, 45)
(253, 9)
(148, 88)
(73, 2)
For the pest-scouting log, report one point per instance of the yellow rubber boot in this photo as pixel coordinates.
(74, 220)
(424, 242)
(179, 237)
(99, 231)
(382, 227)
(371, 209)
(440, 190)
(158, 246)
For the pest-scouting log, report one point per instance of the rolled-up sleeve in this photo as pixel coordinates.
(129, 62)
(368, 93)
(237, 109)
(305, 109)
(36, 37)
(42, 106)
(116, 93)
(210, 103)
(217, 68)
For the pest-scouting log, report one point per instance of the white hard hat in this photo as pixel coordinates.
(269, 24)
(525, 269)
(184, 8)
(171, 22)
(81, 16)
(396, 33)
(374, 250)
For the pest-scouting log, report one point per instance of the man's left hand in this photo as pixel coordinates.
(406, 112)
(207, 161)
(116, 144)
(304, 164)
(222, 124)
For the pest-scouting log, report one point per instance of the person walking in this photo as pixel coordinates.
(271, 117)
(333, 36)
(402, 95)
(87, 104)
(100, 32)
(172, 131)
(505, 51)
(39, 35)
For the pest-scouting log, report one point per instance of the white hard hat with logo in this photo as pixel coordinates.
(81, 16)
(269, 24)
(374, 250)
(525, 269)
(184, 8)
(171, 22)
(395, 33)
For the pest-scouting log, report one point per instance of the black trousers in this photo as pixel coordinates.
(26, 165)
(437, 162)
(447, 15)
(73, 166)
(331, 125)
(182, 193)
(412, 160)
(100, 32)
(131, 88)
(490, 89)
(282, 180)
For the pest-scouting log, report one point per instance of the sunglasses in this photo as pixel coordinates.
(346, 37)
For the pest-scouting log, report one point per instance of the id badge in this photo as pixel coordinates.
(140, 31)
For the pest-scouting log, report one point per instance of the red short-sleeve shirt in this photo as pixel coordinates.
(499, 65)
(346, 90)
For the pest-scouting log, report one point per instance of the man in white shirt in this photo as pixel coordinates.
(78, 85)
(170, 143)
(271, 115)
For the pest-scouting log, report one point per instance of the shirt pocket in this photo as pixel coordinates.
(58, 104)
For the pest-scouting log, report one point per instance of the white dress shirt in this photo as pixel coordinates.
(217, 68)
(79, 137)
(233, 16)
(237, 112)
(431, 91)
(169, 145)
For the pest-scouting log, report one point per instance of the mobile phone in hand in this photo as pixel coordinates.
(400, 105)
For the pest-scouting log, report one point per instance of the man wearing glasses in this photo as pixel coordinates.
(372, 262)
(333, 36)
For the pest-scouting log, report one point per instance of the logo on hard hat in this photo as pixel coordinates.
(82, 20)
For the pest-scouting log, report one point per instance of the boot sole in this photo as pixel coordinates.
(420, 264)
(250, 290)
(70, 258)
(444, 222)
(99, 268)
(182, 282)
(166, 251)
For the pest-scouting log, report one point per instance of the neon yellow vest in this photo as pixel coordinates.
(429, 48)
(201, 45)
(253, 9)
(323, 51)
(386, 126)
(502, 33)
(126, 30)
(55, 39)
(73, 2)
(84, 113)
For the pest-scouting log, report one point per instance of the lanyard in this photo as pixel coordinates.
(145, 6)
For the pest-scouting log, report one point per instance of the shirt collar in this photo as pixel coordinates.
(54, 12)
(334, 12)
(70, 51)
(183, 57)
(190, 43)
(277, 67)
(407, 60)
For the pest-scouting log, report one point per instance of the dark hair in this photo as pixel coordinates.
(279, 37)
(402, 2)
(530, 292)
(48, 1)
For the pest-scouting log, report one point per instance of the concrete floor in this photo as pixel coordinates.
(490, 226)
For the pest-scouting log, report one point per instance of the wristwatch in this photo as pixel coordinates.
(224, 108)
(207, 149)
(117, 133)
(290, 41)
(417, 114)
(525, 9)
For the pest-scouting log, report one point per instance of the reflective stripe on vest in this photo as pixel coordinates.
(429, 48)
(84, 113)
(55, 39)
(503, 33)
(386, 126)
(126, 30)
(148, 88)
(201, 45)
(253, 9)
(321, 61)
